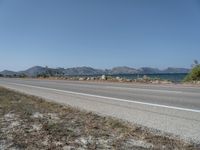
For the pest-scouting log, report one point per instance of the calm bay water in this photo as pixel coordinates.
(175, 77)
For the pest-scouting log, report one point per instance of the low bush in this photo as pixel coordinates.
(194, 74)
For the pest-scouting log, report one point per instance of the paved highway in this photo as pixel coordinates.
(174, 109)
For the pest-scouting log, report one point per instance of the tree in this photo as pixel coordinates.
(196, 63)
(23, 75)
(194, 74)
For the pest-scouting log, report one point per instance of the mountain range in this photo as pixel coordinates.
(78, 71)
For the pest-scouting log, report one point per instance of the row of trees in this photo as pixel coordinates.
(50, 73)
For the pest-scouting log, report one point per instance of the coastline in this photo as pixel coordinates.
(150, 82)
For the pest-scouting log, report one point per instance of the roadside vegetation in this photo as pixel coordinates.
(28, 122)
(194, 75)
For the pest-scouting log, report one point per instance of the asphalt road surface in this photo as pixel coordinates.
(173, 109)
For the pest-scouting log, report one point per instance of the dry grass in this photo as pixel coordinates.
(28, 122)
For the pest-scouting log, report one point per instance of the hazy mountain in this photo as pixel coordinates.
(122, 70)
(34, 71)
(83, 71)
(45, 71)
(148, 70)
(39, 71)
(176, 70)
(8, 73)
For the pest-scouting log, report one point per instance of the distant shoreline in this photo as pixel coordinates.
(143, 79)
(174, 77)
(38, 71)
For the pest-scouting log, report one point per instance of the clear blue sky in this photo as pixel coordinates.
(99, 33)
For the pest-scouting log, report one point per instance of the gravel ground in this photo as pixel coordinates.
(28, 122)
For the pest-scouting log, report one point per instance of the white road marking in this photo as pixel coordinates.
(127, 88)
(149, 90)
(111, 98)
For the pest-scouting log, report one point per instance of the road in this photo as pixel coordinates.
(173, 109)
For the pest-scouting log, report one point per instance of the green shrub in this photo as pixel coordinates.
(194, 74)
